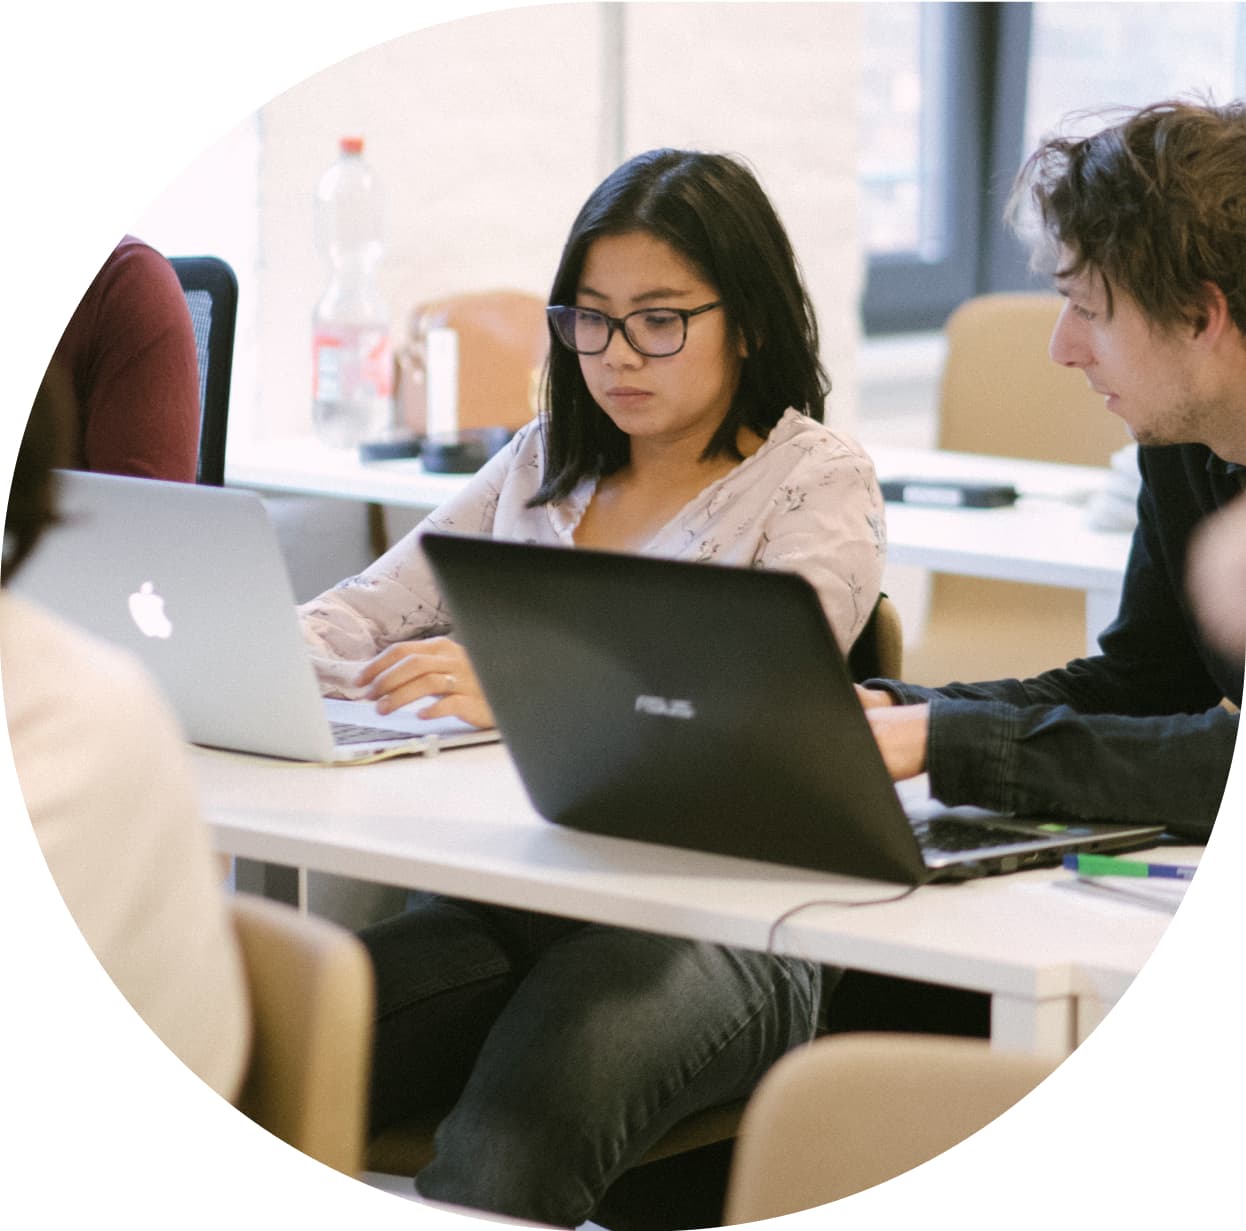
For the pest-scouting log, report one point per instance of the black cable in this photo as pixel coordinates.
(787, 914)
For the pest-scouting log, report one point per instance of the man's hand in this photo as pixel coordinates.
(873, 698)
(900, 731)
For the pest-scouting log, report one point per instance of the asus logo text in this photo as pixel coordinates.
(665, 707)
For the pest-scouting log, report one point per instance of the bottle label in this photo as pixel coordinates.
(350, 363)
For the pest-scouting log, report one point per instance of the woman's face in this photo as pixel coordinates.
(677, 396)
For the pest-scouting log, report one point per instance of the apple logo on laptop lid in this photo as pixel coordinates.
(147, 611)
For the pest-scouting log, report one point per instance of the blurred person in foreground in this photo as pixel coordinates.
(1217, 579)
(111, 795)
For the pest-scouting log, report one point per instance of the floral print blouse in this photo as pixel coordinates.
(806, 501)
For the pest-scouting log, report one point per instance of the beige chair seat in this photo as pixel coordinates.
(311, 990)
(1032, 629)
(850, 1111)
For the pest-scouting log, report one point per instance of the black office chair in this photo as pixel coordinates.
(211, 291)
(878, 653)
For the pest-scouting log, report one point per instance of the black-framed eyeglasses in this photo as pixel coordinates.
(653, 332)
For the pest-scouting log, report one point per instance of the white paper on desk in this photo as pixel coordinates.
(1156, 893)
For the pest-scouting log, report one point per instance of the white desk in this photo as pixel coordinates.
(1044, 538)
(1053, 960)
(301, 465)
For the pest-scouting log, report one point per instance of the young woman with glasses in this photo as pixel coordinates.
(682, 408)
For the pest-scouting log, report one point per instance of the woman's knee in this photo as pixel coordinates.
(440, 983)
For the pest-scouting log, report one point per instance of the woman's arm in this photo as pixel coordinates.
(826, 522)
(396, 599)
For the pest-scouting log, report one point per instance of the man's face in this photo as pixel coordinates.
(1149, 377)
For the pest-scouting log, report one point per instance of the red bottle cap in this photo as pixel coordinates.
(351, 145)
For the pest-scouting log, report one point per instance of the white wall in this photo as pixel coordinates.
(481, 155)
(211, 209)
(488, 132)
(777, 84)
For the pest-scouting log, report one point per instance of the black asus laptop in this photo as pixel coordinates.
(708, 707)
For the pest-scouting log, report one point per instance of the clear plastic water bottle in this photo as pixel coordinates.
(352, 356)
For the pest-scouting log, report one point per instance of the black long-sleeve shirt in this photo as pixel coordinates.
(1134, 733)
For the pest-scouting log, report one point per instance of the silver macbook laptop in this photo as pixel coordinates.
(191, 579)
(709, 707)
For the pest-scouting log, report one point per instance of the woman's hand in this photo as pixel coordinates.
(436, 667)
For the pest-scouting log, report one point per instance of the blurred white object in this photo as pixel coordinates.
(352, 364)
(1216, 578)
(1115, 507)
(442, 358)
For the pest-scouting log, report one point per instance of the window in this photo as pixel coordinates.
(1103, 55)
(955, 95)
(898, 170)
(927, 139)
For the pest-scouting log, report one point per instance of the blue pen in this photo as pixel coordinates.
(1108, 865)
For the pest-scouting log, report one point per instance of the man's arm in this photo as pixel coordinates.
(1167, 769)
(1135, 733)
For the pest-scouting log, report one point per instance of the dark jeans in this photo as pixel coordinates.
(566, 1049)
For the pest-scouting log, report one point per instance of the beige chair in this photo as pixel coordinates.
(1002, 394)
(311, 991)
(850, 1111)
(503, 341)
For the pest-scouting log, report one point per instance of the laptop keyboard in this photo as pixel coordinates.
(951, 836)
(347, 733)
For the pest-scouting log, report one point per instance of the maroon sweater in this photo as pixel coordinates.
(129, 350)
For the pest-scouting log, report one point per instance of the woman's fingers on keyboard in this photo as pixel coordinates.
(412, 670)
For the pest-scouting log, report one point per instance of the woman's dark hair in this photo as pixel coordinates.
(712, 211)
(1155, 205)
(32, 498)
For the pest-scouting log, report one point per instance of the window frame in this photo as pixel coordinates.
(978, 76)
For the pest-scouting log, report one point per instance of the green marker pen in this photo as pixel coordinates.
(1109, 865)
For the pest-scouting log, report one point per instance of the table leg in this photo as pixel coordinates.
(1021, 1024)
(267, 880)
(1091, 1010)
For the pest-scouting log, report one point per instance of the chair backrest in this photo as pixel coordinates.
(211, 291)
(502, 339)
(879, 649)
(1002, 394)
(850, 1111)
(312, 998)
